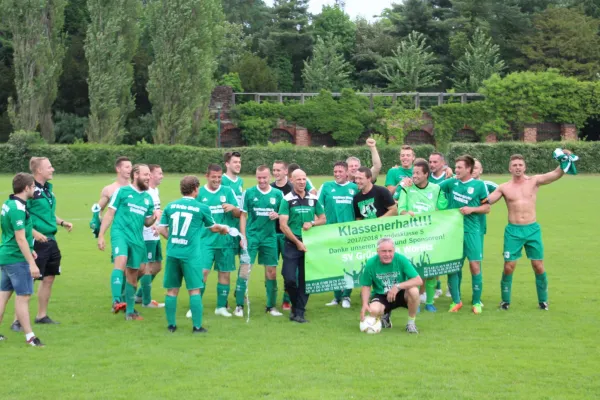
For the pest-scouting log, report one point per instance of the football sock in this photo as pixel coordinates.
(271, 288)
(459, 274)
(438, 285)
(477, 286)
(240, 291)
(146, 286)
(506, 287)
(129, 297)
(286, 297)
(541, 285)
(116, 283)
(222, 294)
(411, 320)
(430, 290)
(453, 283)
(347, 293)
(337, 295)
(197, 308)
(171, 309)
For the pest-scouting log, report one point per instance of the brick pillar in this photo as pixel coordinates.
(491, 138)
(530, 133)
(568, 132)
(302, 137)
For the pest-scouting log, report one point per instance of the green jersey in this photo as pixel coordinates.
(186, 219)
(395, 175)
(337, 200)
(214, 201)
(438, 179)
(382, 277)
(132, 209)
(417, 200)
(42, 208)
(237, 186)
(300, 210)
(258, 205)
(490, 186)
(472, 193)
(14, 218)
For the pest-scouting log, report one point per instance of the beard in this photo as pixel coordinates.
(143, 186)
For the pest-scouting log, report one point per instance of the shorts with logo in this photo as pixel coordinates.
(177, 269)
(473, 246)
(223, 260)
(154, 250)
(399, 302)
(16, 277)
(48, 258)
(518, 236)
(267, 253)
(136, 255)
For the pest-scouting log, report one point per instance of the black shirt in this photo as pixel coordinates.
(287, 188)
(373, 204)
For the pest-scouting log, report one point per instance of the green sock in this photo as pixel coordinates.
(222, 295)
(453, 283)
(347, 293)
(438, 285)
(459, 274)
(477, 285)
(116, 282)
(541, 285)
(337, 295)
(171, 309)
(506, 287)
(139, 293)
(271, 286)
(430, 290)
(240, 291)
(129, 297)
(197, 309)
(286, 297)
(146, 286)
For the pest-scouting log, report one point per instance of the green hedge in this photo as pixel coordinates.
(85, 158)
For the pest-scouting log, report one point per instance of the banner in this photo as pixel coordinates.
(337, 253)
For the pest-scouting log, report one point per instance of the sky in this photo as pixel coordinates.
(354, 8)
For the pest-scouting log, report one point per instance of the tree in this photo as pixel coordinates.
(185, 38)
(234, 46)
(335, 22)
(37, 39)
(480, 61)
(564, 39)
(373, 43)
(411, 67)
(255, 74)
(110, 44)
(327, 69)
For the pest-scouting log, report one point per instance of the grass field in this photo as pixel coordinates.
(522, 353)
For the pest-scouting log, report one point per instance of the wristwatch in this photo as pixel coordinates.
(312, 223)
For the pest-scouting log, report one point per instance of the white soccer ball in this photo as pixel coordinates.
(370, 325)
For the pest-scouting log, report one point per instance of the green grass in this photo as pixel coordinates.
(523, 353)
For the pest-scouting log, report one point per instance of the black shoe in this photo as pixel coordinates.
(35, 342)
(46, 320)
(16, 327)
(386, 322)
(292, 315)
(171, 328)
(504, 305)
(543, 306)
(199, 330)
(300, 319)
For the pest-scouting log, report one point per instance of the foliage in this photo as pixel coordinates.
(110, 44)
(255, 74)
(232, 79)
(234, 45)
(256, 131)
(140, 128)
(400, 121)
(69, 128)
(327, 68)
(185, 37)
(480, 61)
(282, 67)
(411, 66)
(38, 43)
(335, 22)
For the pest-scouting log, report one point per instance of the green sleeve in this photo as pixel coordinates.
(402, 200)
(164, 218)
(309, 185)
(231, 199)
(319, 208)
(150, 210)
(408, 268)
(115, 199)
(391, 178)
(322, 194)
(446, 185)
(207, 217)
(396, 195)
(365, 278)
(17, 219)
(284, 208)
(244, 202)
(442, 201)
(483, 194)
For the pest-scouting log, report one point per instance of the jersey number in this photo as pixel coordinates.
(186, 223)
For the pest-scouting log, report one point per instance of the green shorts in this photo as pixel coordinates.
(267, 253)
(473, 246)
(280, 244)
(177, 269)
(136, 255)
(154, 250)
(518, 236)
(222, 259)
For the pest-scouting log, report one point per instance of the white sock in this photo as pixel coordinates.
(29, 336)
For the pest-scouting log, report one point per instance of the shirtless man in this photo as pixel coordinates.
(123, 168)
(520, 194)
(354, 162)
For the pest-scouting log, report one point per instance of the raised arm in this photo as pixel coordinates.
(545, 179)
(375, 159)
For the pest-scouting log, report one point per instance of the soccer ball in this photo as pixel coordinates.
(370, 325)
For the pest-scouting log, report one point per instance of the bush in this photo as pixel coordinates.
(69, 128)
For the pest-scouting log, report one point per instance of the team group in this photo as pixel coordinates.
(211, 224)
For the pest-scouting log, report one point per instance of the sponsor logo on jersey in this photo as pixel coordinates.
(146, 202)
(272, 200)
(332, 190)
(311, 202)
(470, 190)
(19, 223)
(130, 197)
(255, 199)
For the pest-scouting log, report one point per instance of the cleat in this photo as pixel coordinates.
(239, 311)
(35, 342)
(292, 316)
(286, 306)
(448, 293)
(133, 317)
(333, 302)
(411, 328)
(430, 308)
(199, 330)
(118, 306)
(222, 311)
(543, 306)
(477, 308)
(188, 314)
(438, 293)
(154, 304)
(46, 320)
(454, 307)
(171, 328)
(386, 321)
(300, 319)
(346, 302)
(274, 312)
(16, 327)
(138, 300)
(504, 305)
(423, 298)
